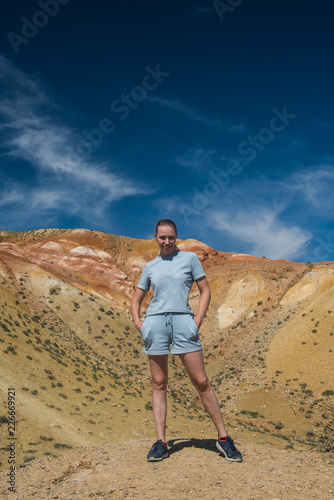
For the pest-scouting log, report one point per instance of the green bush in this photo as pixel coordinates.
(328, 393)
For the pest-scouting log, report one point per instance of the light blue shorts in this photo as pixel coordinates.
(159, 331)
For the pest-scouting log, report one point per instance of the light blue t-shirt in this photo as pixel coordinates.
(171, 279)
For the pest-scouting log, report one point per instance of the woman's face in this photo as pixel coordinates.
(166, 239)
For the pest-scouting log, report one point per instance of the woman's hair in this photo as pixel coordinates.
(165, 222)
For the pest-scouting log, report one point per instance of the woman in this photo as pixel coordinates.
(170, 320)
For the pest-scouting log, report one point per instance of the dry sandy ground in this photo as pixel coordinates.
(194, 470)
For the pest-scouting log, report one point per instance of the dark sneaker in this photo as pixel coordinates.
(158, 451)
(227, 448)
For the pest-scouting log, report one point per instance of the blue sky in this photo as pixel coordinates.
(218, 115)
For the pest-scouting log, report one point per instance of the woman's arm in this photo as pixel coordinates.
(204, 300)
(137, 299)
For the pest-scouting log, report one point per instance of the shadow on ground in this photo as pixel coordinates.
(176, 445)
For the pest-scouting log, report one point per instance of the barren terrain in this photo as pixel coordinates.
(194, 469)
(70, 351)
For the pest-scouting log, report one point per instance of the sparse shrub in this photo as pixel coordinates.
(328, 393)
(253, 414)
(44, 438)
(10, 349)
(4, 327)
(322, 418)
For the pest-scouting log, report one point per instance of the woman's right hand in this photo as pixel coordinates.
(135, 307)
(138, 325)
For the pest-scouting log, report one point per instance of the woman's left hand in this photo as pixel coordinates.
(198, 322)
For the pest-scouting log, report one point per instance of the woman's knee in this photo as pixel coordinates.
(159, 383)
(201, 383)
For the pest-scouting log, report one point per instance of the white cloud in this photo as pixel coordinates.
(258, 216)
(195, 114)
(64, 180)
(316, 185)
(196, 159)
(262, 230)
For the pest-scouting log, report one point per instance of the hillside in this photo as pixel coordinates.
(69, 348)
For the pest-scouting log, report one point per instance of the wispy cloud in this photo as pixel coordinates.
(64, 180)
(193, 113)
(23, 206)
(258, 216)
(263, 232)
(316, 185)
(199, 159)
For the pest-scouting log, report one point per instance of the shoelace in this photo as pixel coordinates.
(156, 445)
(233, 448)
(230, 443)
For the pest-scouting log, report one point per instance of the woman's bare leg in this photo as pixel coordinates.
(159, 374)
(193, 363)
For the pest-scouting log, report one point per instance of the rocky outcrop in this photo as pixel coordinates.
(242, 298)
(85, 267)
(307, 286)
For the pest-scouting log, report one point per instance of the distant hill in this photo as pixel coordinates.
(69, 348)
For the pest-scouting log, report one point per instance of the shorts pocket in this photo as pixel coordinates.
(193, 334)
(145, 333)
(144, 326)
